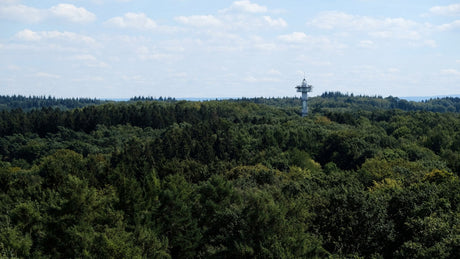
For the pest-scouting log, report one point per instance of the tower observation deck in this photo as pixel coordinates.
(304, 88)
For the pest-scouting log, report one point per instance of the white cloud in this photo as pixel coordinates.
(84, 57)
(449, 26)
(46, 75)
(295, 37)
(275, 22)
(449, 10)
(199, 20)
(231, 22)
(330, 20)
(89, 79)
(97, 64)
(244, 22)
(384, 28)
(145, 53)
(339, 20)
(22, 13)
(367, 44)
(429, 43)
(27, 14)
(266, 46)
(253, 79)
(10, 1)
(393, 70)
(138, 21)
(134, 78)
(247, 6)
(315, 62)
(68, 36)
(274, 72)
(13, 67)
(450, 71)
(108, 1)
(302, 40)
(240, 16)
(29, 35)
(89, 60)
(72, 13)
(396, 34)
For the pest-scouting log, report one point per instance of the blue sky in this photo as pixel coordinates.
(185, 48)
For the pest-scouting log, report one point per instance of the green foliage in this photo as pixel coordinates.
(175, 214)
(362, 177)
(34, 102)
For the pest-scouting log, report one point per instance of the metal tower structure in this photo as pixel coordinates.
(304, 88)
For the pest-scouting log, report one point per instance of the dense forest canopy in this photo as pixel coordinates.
(366, 177)
(327, 100)
(35, 102)
(339, 101)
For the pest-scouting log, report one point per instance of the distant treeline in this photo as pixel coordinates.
(34, 102)
(349, 102)
(326, 102)
(151, 98)
(353, 102)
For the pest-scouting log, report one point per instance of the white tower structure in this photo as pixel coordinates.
(304, 88)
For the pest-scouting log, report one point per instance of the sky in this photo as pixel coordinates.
(218, 49)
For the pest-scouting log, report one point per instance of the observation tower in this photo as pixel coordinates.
(304, 88)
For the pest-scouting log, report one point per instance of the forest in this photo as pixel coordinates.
(359, 177)
(35, 102)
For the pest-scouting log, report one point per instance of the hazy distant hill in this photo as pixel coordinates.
(423, 98)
